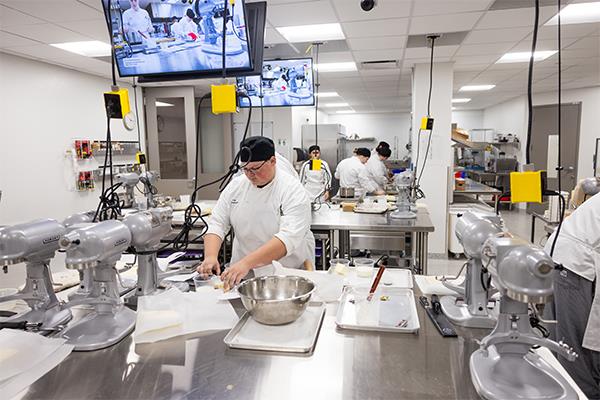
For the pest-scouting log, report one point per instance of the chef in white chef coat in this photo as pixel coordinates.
(376, 168)
(576, 295)
(187, 28)
(269, 212)
(353, 173)
(137, 20)
(316, 181)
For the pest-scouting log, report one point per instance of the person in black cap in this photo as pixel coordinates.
(269, 211)
(316, 178)
(352, 173)
(377, 169)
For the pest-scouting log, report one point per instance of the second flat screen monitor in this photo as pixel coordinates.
(284, 83)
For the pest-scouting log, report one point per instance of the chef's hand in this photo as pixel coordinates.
(234, 274)
(209, 266)
(326, 195)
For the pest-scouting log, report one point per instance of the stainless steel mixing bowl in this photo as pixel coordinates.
(276, 300)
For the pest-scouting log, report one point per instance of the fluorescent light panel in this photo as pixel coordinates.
(162, 104)
(311, 33)
(92, 48)
(582, 13)
(336, 67)
(524, 56)
(327, 94)
(331, 105)
(461, 100)
(476, 88)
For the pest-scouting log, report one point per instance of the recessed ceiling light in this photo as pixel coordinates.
(92, 48)
(336, 67)
(524, 56)
(310, 33)
(346, 112)
(582, 13)
(462, 100)
(476, 88)
(327, 94)
(335, 105)
(162, 104)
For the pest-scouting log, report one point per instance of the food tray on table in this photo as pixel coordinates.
(373, 209)
(386, 312)
(299, 336)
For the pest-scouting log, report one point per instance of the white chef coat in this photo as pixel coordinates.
(176, 29)
(283, 164)
(352, 173)
(377, 170)
(280, 209)
(578, 250)
(315, 182)
(134, 21)
(187, 26)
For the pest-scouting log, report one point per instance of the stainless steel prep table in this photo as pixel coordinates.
(345, 365)
(477, 189)
(334, 219)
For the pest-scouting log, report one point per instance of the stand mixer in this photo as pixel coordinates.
(470, 307)
(504, 367)
(404, 202)
(34, 243)
(129, 181)
(98, 247)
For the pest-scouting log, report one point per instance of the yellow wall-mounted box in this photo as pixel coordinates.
(526, 187)
(223, 99)
(315, 165)
(426, 124)
(117, 103)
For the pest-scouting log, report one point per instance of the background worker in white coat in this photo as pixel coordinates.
(376, 168)
(576, 302)
(353, 173)
(269, 212)
(317, 182)
(137, 21)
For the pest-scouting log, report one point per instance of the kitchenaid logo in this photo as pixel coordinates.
(51, 239)
(120, 242)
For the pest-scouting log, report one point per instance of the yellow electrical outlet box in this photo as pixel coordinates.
(426, 124)
(315, 165)
(117, 103)
(140, 157)
(527, 187)
(223, 99)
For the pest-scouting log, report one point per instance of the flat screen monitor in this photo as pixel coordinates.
(283, 83)
(155, 37)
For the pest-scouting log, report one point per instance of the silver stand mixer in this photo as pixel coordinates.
(404, 202)
(470, 307)
(34, 243)
(129, 181)
(504, 367)
(98, 247)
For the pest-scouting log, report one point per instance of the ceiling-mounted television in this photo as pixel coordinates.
(172, 37)
(283, 83)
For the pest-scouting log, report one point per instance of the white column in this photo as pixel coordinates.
(435, 179)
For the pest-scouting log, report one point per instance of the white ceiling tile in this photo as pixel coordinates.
(541, 45)
(443, 7)
(350, 10)
(484, 49)
(8, 40)
(376, 55)
(10, 17)
(46, 33)
(567, 31)
(522, 17)
(462, 60)
(336, 56)
(375, 73)
(471, 67)
(592, 42)
(95, 29)
(272, 36)
(92, 3)
(424, 52)
(409, 62)
(496, 35)
(364, 29)
(55, 10)
(379, 43)
(305, 13)
(443, 23)
(577, 53)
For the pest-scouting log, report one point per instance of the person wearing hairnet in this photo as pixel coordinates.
(316, 181)
(376, 168)
(353, 173)
(187, 28)
(269, 212)
(136, 22)
(576, 302)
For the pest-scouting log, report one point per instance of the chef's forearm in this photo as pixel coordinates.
(212, 245)
(274, 249)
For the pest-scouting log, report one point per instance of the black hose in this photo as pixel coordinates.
(530, 84)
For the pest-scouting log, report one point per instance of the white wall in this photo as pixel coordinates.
(511, 117)
(43, 109)
(468, 119)
(393, 128)
(305, 116)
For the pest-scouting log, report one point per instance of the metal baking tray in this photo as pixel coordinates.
(299, 336)
(355, 312)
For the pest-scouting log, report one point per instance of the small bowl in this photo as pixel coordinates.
(276, 300)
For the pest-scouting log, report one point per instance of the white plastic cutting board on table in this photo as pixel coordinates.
(429, 284)
(394, 277)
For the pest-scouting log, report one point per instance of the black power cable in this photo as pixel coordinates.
(137, 117)
(530, 83)
(225, 11)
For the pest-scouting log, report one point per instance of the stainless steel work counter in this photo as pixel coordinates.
(477, 189)
(344, 365)
(332, 219)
